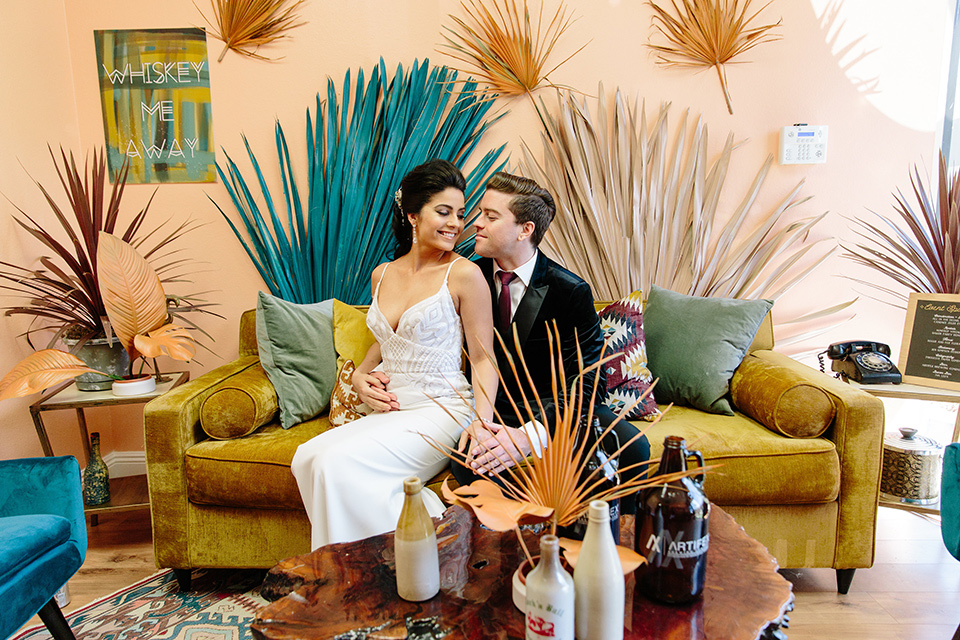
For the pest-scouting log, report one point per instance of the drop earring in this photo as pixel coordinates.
(414, 234)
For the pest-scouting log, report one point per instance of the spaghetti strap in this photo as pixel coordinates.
(377, 290)
(447, 275)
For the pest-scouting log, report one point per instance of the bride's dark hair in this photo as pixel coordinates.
(417, 187)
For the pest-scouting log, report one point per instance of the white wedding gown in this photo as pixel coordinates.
(351, 477)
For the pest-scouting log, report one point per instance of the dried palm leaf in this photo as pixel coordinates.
(131, 291)
(506, 51)
(637, 208)
(709, 33)
(40, 370)
(170, 340)
(553, 481)
(246, 25)
(920, 255)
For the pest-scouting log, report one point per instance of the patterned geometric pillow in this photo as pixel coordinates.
(627, 375)
(345, 404)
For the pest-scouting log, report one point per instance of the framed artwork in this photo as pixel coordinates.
(155, 93)
(930, 350)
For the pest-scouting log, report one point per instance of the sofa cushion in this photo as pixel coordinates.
(759, 467)
(239, 405)
(781, 399)
(628, 377)
(695, 344)
(249, 472)
(351, 337)
(24, 539)
(296, 350)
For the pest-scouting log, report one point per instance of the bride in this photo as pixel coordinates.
(426, 303)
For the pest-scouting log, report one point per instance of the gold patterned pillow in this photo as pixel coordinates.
(345, 404)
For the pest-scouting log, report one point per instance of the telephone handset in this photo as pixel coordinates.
(864, 361)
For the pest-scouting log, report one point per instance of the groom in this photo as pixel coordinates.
(530, 292)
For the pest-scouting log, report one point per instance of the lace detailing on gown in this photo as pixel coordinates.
(424, 352)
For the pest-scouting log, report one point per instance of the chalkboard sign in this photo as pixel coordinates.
(930, 351)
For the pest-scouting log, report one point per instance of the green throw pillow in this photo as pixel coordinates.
(297, 352)
(695, 344)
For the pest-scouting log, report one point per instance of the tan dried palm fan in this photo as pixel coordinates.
(709, 33)
(636, 207)
(246, 25)
(506, 50)
(922, 254)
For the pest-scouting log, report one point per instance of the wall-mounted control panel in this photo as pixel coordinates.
(803, 144)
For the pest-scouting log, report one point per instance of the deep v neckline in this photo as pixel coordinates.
(393, 330)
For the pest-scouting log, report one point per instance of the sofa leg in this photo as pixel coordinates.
(55, 622)
(183, 578)
(844, 578)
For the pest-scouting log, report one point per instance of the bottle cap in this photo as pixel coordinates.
(599, 511)
(412, 485)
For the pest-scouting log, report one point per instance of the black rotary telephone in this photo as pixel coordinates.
(863, 361)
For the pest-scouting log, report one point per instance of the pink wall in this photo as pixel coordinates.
(50, 96)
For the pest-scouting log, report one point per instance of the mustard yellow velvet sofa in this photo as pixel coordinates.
(812, 501)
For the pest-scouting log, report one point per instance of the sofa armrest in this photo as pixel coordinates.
(857, 432)
(171, 425)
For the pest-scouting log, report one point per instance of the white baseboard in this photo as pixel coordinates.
(126, 463)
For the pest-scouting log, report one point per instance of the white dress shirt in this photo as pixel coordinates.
(519, 285)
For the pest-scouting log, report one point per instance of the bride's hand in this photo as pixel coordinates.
(469, 437)
(372, 389)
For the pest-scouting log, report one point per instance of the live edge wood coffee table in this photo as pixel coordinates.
(349, 590)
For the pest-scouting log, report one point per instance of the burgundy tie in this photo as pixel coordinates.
(506, 277)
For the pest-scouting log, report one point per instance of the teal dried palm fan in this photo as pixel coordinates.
(359, 146)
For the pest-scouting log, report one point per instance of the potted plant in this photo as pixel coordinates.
(919, 251)
(136, 307)
(63, 298)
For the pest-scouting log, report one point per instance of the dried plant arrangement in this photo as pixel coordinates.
(63, 297)
(505, 50)
(709, 33)
(136, 307)
(551, 487)
(919, 249)
(246, 25)
(637, 209)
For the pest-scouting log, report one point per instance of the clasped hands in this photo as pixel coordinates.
(372, 389)
(491, 447)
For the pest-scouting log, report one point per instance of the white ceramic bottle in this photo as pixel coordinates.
(599, 580)
(550, 595)
(415, 546)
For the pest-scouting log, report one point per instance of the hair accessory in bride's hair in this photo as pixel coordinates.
(397, 196)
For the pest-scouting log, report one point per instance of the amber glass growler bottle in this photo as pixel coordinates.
(672, 530)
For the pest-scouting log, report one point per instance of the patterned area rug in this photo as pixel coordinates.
(220, 606)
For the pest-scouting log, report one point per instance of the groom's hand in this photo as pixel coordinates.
(497, 447)
(372, 389)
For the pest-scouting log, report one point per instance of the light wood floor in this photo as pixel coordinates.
(911, 593)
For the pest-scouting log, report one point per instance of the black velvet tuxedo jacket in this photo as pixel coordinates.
(554, 294)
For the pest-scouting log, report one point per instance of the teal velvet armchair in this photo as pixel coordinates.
(43, 539)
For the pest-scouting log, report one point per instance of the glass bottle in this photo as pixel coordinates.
(673, 530)
(415, 547)
(96, 476)
(599, 582)
(551, 597)
(608, 477)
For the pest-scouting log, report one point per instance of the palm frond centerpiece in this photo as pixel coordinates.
(552, 486)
